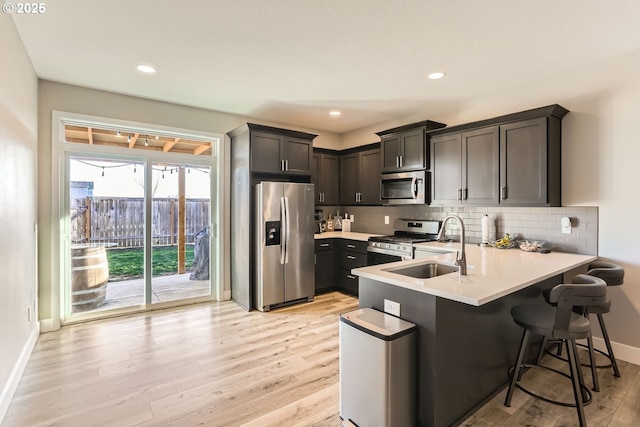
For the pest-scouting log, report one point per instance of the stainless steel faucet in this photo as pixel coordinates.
(461, 258)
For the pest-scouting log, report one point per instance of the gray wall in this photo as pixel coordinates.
(18, 138)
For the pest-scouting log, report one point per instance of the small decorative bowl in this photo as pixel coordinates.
(530, 245)
(498, 245)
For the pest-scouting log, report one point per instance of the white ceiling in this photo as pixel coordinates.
(291, 61)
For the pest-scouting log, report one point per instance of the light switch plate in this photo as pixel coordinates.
(392, 307)
(386, 219)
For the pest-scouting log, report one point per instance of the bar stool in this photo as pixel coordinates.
(559, 321)
(613, 275)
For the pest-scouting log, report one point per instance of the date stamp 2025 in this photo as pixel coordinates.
(24, 8)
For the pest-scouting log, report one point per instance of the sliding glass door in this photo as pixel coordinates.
(138, 232)
(180, 232)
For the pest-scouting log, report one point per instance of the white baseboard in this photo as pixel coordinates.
(18, 370)
(620, 351)
(226, 295)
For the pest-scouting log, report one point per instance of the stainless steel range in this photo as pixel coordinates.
(399, 246)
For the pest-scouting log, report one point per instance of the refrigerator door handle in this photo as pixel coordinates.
(284, 234)
(288, 226)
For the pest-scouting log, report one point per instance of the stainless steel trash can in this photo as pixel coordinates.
(377, 370)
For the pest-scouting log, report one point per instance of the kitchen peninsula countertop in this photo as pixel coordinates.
(344, 235)
(491, 273)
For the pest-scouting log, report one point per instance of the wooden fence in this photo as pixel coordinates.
(121, 220)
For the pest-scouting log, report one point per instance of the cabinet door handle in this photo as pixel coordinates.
(359, 197)
(464, 194)
(351, 246)
(315, 259)
(400, 161)
(324, 245)
(397, 161)
(459, 193)
(350, 257)
(282, 165)
(351, 277)
(503, 193)
(286, 165)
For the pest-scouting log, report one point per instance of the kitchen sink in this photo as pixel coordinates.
(424, 271)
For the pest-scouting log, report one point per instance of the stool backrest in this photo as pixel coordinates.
(612, 274)
(584, 291)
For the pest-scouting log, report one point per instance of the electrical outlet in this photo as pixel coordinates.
(392, 307)
(565, 223)
(352, 218)
(386, 219)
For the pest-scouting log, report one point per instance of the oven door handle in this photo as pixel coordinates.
(404, 256)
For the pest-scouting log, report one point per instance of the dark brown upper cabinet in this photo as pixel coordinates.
(275, 151)
(405, 148)
(512, 160)
(360, 176)
(530, 163)
(465, 168)
(326, 176)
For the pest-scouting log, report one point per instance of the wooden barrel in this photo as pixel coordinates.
(89, 276)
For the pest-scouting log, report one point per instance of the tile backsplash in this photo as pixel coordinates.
(520, 223)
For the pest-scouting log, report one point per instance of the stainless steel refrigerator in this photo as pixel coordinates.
(284, 263)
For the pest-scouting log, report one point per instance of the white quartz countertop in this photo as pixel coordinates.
(344, 235)
(491, 273)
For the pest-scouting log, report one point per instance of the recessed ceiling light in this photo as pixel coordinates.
(147, 69)
(334, 113)
(436, 75)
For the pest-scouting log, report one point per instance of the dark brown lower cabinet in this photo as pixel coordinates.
(351, 254)
(334, 260)
(325, 265)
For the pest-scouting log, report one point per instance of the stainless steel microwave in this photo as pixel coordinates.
(405, 188)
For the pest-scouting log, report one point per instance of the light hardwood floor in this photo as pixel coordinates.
(217, 365)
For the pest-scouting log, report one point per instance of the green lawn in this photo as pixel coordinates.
(128, 263)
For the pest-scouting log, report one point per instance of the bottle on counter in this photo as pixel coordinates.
(346, 223)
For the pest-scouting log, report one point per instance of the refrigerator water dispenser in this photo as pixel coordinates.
(272, 233)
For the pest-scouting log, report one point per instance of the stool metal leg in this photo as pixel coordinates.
(541, 350)
(605, 335)
(576, 375)
(517, 367)
(592, 361)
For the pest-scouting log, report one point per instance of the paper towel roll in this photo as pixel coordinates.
(487, 232)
